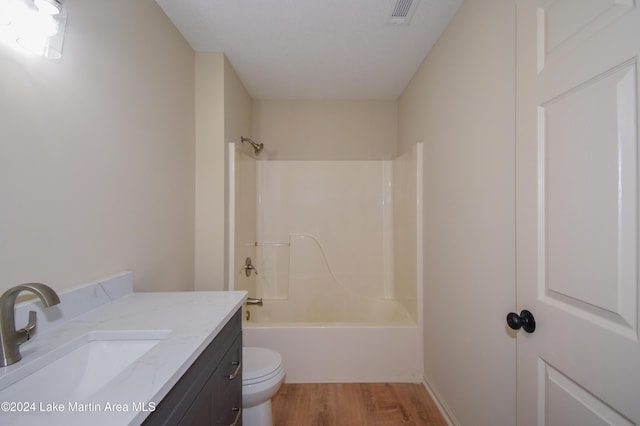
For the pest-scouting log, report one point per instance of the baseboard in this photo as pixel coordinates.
(442, 406)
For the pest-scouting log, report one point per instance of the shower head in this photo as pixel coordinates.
(257, 147)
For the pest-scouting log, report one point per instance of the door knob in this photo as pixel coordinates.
(525, 320)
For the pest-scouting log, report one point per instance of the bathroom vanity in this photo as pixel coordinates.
(108, 356)
(210, 392)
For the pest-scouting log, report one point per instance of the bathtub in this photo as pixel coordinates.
(368, 341)
(342, 291)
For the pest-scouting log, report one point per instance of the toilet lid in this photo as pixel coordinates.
(258, 363)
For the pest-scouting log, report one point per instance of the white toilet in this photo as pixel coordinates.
(262, 375)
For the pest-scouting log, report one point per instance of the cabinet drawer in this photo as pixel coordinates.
(226, 400)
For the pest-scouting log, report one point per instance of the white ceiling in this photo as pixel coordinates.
(314, 49)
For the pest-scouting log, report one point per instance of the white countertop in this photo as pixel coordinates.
(193, 318)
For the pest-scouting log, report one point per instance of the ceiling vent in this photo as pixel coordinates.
(402, 12)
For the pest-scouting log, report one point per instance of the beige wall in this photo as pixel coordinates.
(97, 153)
(326, 130)
(237, 106)
(210, 211)
(461, 104)
(223, 114)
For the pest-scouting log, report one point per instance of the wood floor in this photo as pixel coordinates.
(354, 404)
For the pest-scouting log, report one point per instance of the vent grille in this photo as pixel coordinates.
(402, 12)
(402, 9)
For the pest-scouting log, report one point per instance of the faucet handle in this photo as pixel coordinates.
(248, 267)
(31, 325)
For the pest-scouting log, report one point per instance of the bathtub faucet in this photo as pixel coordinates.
(254, 301)
(248, 267)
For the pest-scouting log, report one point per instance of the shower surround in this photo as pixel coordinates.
(325, 216)
(339, 268)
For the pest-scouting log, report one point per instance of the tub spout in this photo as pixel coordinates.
(254, 301)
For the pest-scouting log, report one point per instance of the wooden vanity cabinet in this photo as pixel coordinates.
(210, 392)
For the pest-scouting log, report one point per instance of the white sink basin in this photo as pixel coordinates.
(77, 370)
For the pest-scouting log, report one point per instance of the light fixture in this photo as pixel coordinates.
(37, 26)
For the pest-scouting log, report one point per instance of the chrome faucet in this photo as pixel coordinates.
(10, 338)
(254, 301)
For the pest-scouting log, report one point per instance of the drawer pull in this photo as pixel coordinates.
(235, 373)
(235, 421)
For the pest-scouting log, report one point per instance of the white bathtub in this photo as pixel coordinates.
(330, 263)
(346, 346)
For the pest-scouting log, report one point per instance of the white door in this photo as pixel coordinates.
(577, 212)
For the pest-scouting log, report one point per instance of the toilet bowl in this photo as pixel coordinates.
(262, 375)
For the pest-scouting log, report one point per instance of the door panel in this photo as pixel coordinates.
(586, 147)
(564, 402)
(564, 25)
(577, 211)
